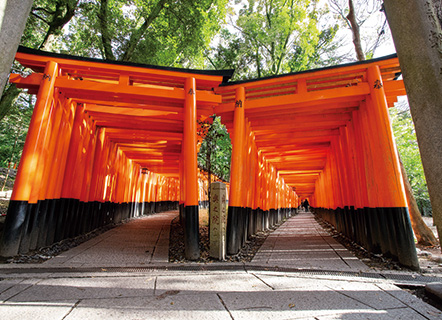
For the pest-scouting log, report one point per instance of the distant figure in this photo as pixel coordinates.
(305, 205)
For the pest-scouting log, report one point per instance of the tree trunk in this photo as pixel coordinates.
(138, 33)
(416, 31)
(355, 30)
(13, 16)
(423, 234)
(105, 34)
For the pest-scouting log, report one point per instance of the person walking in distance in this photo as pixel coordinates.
(306, 205)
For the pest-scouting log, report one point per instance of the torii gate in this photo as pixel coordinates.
(111, 140)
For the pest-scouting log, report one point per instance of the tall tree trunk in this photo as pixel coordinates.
(423, 234)
(13, 16)
(105, 35)
(416, 31)
(355, 30)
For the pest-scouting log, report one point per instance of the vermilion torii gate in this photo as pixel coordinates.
(327, 134)
(111, 140)
(106, 141)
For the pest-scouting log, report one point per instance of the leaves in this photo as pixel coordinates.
(216, 149)
(274, 37)
(408, 148)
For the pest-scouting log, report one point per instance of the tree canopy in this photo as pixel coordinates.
(271, 37)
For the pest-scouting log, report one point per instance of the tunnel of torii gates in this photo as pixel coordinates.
(109, 140)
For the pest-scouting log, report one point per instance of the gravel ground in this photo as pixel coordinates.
(11, 178)
(45, 253)
(176, 245)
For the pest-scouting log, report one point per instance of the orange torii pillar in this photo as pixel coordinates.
(21, 203)
(393, 204)
(235, 223)
(190, 171)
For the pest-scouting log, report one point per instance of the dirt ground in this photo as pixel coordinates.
(430, 258)
(10, 181)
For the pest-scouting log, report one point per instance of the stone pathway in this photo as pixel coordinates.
(140, 242)
(302, 243)
(76, 285)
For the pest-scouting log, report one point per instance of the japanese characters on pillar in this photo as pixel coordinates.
(218, 217)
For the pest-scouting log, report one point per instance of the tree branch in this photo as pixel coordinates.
(137, 34)
(41, 18)
(355, 30)
(105, 36)
(60, 18)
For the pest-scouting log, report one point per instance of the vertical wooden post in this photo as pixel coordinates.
(17, 211)
(236, 174)
(191, 227)
(393, 197)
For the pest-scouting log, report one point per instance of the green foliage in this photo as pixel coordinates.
(216, 149)
(13, 129)
(408, 148)
(162, 32)
(273, 37)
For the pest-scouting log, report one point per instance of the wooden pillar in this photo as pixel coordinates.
(393, 199)
(191, 223)
(236, 175)
(18, 207)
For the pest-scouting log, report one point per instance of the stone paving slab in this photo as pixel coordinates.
(212, 295)
(36, 311)
(300, 242)
(218, 294)
(168, 306)
(140, 242)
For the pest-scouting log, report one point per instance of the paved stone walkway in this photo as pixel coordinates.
(302, 243)
(140, 242)
(78, 284)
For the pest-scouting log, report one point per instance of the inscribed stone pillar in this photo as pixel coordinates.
(218, 209)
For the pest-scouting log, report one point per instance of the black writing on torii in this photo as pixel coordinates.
(238, 104)
(378, 84)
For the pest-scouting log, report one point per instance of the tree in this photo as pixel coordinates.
(354, 21)
(412, 172)
(47, 19)
(422, 232)
(419, 50)
(216, 149)
(136, 30)
(162, 32)
(273, 37)
(13, 132)
(12, 22)
(356, 14)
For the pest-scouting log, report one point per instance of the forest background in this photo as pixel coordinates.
(257, 38)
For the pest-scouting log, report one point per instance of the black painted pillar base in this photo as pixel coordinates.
(182, 213)
(233, 230)
(191, 233)
(252, 222)
(379, 230)
(13, 228)
(28, 223)
(259, 220)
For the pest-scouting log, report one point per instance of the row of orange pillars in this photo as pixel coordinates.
(259, 197)
(74, 175)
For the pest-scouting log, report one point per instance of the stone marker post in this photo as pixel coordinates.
(217, 216)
